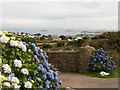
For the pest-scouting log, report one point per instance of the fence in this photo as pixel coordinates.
(70, 61)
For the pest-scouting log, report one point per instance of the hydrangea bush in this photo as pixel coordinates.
(101, 61)
(25, 65)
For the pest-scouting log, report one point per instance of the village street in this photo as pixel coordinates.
(76, 80)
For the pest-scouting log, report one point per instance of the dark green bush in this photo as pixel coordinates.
(46, 46)
(85, 37)
(79, 42)
(60, 44)
(62, 37)
(109, 41)
(70, 43)
(28, 40)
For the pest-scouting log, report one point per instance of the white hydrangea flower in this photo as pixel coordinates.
(4, 39)
(25, 71)
(28, 84)
(104, 73)
(8, 78)
(6, 84)
(23, 47)
(14, 80)
(29, 50)
(14, 43)
(6, 68)
(16, 86)
(17, 63)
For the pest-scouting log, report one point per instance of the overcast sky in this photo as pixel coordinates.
(57, 17)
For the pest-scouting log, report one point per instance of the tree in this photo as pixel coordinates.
(70, 37)
(62, 37)
(50, 37)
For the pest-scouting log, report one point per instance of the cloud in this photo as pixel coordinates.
(57, 10)
(61, 15)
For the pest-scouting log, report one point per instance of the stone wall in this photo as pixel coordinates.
(70, 61)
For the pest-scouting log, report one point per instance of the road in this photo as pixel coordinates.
(76, 80)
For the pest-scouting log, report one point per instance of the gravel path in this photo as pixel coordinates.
(76, 80)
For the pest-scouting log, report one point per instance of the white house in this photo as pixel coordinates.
(55, 37)
(77, 38)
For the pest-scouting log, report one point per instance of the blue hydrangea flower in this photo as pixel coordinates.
(52, 78)
(102, 61)
(12, 74)
(36, 50)
(45, 54)
(56, 73)
(43, 70)
(57, 85)
(29, 78)
(40, 50)
(48, 73)
(47, 82)
(39, 79)
(57, 88)
(42, 55)
(44, 77)
(36, 59)
(46, 64)
(40, 65)
(39, 68)
(94, 59)
(33, 45)
(44, 67)
(41, 88)
(35, 73)
(47, 86)
(56, 79)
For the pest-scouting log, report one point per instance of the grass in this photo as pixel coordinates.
(97, 74)
(113, 74)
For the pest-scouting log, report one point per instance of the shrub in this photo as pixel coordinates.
(110, 43)
(27, 40)
(79, 42)
(46, 46)
(71, 43)
(25, 66)
(85, 37)
(109, 40)
(101, 61)
(60, 44)
(62, 37)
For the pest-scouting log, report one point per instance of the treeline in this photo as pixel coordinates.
(109, 41)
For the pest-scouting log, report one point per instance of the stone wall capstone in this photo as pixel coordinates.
(70, 61)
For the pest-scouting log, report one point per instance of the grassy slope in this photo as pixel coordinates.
(114, 74)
